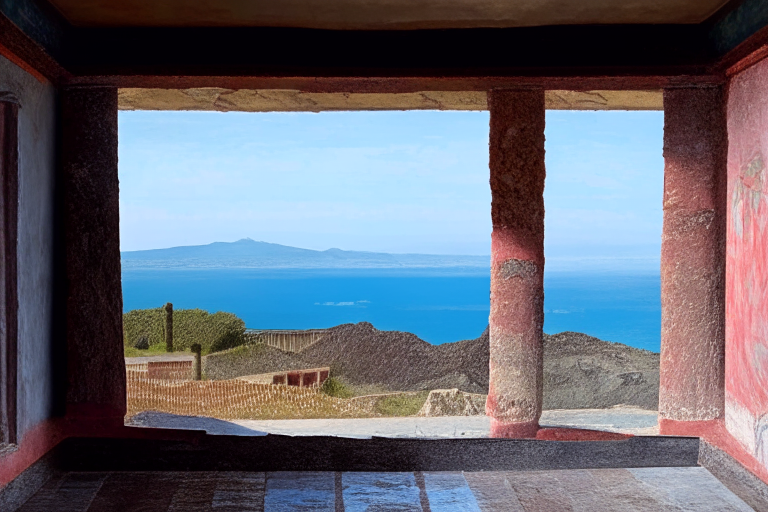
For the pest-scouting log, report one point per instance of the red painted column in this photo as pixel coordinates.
(517, 261)
(693, 258)
(91, 219)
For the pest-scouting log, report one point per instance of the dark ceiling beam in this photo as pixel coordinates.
(40, 21)
(531, 51)
(34, 32)
(745, 19)
(125, 56)
(739, 32)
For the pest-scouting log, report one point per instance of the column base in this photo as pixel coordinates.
(514, 429)
(104, 415)
(701, 428)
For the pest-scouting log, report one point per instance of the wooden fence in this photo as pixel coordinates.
(233, 399)
(286, 340)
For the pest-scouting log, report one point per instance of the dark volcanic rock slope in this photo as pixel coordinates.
(399, 360)
(579, 371)
(592, 373)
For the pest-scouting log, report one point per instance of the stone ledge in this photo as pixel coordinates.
(284, 100)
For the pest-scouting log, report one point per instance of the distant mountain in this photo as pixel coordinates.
(247, 253)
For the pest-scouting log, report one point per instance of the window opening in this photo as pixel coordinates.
(327, 264)
(8, 274)
(284, 325)
(603, 202)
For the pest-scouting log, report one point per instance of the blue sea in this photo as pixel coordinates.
(438, 305)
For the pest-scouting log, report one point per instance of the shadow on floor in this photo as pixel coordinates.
(213, 426)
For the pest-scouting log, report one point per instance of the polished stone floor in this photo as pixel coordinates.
(615, 490)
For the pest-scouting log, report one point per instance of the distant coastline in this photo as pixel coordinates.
(247, 253)
(439, 298)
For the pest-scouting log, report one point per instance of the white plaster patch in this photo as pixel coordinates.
(761, 440)
(741, 424)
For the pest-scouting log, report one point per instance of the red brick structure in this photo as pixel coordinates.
(170, 370)
(302, 378)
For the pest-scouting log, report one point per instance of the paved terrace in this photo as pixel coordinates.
(626, 420)
(615, 490)
(182, 470)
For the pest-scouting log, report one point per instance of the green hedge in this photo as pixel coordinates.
(214, 332)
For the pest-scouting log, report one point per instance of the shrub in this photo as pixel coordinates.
(142, 343)
(403, 404)
(143, 323)
(214, 332)
(336, 388)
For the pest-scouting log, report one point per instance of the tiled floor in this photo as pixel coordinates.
(615, 490)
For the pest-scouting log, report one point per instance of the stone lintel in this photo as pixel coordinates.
(287, 100)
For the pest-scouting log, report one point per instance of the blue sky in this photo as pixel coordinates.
(381, 181)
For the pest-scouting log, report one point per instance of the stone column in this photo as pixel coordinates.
(517, 261)
(197, 349)
(693, 257)
(168, 309)
(91, 224)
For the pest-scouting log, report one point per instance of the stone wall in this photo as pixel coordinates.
(286, 340)
(746, 361)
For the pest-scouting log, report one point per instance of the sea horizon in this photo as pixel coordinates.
(619, 303)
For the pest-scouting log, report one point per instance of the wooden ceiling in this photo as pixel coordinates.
(381, 14)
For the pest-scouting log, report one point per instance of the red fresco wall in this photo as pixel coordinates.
(746, 360)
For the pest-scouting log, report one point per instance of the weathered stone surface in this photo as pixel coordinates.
(689, 489)
(582, 372)
(302, 490)
(91, 224)
(73, 491)
(517, 261)
(693, 255)
(604, 490)
(738, 479)
(239, 492)
(492, 491)
(449, 492)
(288, 100)
(380, 491)
(452, 402)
